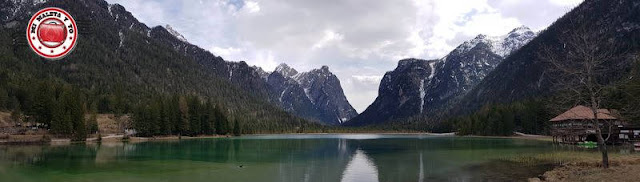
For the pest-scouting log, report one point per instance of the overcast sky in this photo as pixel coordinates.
(359, 40)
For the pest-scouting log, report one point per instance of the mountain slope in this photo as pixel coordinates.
(118, 31)
(524, 75)
(256, 81)
(124, 58)
(421, 87)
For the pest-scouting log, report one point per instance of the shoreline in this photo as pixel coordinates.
(44, 139)
(621, 168)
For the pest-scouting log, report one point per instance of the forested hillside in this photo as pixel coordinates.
(117, 66)
(526, 74)
(611, 28)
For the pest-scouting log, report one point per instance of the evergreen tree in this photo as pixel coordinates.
(222, 124)
(208, 118)
(195, 125)
(43, 103)
(92, 123)
(76, 114)
(183, 122)
(13, 103)
(60, 119)
(166, 115)
(237, 130)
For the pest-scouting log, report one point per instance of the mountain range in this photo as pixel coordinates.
(493, 70)
(421, 87)
(321, 100)
(118, 56)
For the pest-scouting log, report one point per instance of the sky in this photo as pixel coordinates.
(359, 40)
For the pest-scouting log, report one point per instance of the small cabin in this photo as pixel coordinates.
(574, 126)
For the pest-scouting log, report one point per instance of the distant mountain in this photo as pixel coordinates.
(255, 81)
(316, 94)
(420, 87)
(524, 75)
(281, 90)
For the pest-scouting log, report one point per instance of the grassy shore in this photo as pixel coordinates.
(587, 166)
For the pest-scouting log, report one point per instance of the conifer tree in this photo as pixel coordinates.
(183, 123)
(194, 116)
(43, 103)
(222, 124)
(237, 131)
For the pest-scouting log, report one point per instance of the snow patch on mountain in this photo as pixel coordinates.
(321, 89)
(422, 94)
(286, 71)
(175, 33)
(501, 45)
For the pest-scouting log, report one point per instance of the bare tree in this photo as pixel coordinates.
(579, 69)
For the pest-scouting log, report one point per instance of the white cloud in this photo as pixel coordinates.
(566, 2)
(228, 52)
(252, 6)
(370, 79)
(359, 39)
(329, 37)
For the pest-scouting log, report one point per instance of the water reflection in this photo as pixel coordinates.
(282, 158)
(360, 169)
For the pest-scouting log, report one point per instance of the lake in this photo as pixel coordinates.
(283, 158)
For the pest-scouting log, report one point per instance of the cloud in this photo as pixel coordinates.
(566, 2)
(228, 52)
(252, 7)
(369, 79)
(359, 39)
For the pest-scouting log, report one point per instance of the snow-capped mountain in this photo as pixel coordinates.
(500, 45)
(524, 74)
(420, 87)
(175, 33)
(316, 94)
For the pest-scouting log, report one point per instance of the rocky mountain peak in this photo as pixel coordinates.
(175, 33)
(285, 70)
(314, 94)
(325, 68)
(520, 30)
(318, 72)
(500, 45)
(404, 63)
(481, 37)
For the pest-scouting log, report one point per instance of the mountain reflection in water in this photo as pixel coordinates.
(282, 158)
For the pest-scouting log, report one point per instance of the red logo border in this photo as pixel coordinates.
(75, 33)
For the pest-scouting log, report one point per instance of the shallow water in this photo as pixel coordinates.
(331, 158)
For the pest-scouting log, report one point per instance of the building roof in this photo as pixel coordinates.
(583, 113)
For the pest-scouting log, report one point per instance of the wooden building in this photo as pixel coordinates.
(629, 133)
(575, 126)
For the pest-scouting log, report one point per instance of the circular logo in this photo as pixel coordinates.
(52, 33)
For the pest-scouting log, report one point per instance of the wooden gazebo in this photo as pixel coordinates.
(575, 125)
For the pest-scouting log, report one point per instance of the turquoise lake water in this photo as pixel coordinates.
(282, 158)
